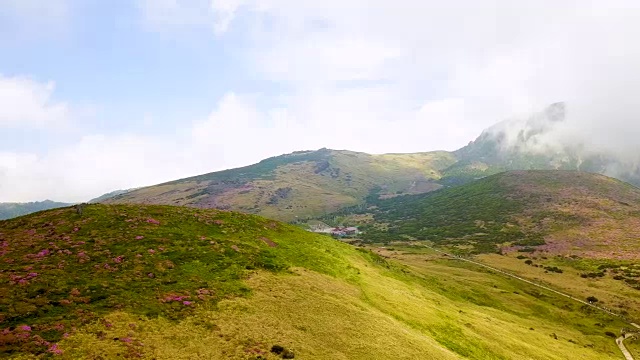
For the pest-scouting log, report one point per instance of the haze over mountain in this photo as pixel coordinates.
(11, 210)
(312, 183)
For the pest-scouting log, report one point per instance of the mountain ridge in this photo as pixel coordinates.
(307, 184)
(14, 209)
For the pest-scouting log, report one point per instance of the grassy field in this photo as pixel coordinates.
(158, 282)
(612, 293)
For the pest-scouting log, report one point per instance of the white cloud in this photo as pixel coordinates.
(366, 75)
(34, 17)
(171, 14)
(224, 11)
(25, 102)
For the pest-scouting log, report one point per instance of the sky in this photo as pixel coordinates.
(103, 95)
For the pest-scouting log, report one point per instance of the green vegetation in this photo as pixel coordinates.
(61, 270)
(178, 283)
(526, 211)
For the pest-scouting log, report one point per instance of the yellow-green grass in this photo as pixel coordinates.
(385, 314)
(633, 345)
(613, 294)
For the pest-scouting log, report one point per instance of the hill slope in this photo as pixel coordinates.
(178, 283)
(11, 210)
(562, 212)
(301, 184)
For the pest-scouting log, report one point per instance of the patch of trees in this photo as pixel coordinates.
(592, 275)
(554, 269)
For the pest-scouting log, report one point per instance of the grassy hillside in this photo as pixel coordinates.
(559, 212)
(11, 210)
(302, 184)
(179, 283)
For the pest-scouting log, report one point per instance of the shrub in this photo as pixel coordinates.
(610, 334)
(592, 299)
(277, 349)
(529, 262)
(288, 354)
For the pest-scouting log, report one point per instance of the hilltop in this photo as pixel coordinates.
(168, 282)
(558, 212)
(300, 185)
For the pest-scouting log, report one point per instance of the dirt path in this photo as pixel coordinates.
(625, 352)
(619, 341)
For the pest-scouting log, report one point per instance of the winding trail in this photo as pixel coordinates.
(619, 341)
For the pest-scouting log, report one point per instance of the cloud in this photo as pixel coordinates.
(34, 17)
(172, 14)
(26, 103)
(365, 75)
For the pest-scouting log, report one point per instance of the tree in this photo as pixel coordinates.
(528, 262)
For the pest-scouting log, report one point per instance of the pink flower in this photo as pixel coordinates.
(22, 281)
(187, 303)
(25, 328)
(54, 349)
(33, 274)
(76, 229)
(139, 237)
(153, 221)
(118, 259)
(65, 335)
(126, 339)
(43, 253)
(151, 251)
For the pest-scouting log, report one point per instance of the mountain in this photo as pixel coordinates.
(308, 184)
(531, 143)
(302, 184)
(547, 211)
(109, 195)
(11, 210)
(163, 282)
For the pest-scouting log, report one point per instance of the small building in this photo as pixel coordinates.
(344, 231)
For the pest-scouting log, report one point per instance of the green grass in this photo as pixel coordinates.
(313, 295)
(119, 258)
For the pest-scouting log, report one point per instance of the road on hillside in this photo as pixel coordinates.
(619, 341)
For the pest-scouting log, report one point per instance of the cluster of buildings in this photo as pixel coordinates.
(344, 231)
(336, 231)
